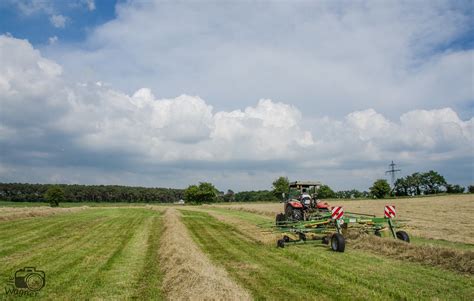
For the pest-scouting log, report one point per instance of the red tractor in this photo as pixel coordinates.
(302, 202)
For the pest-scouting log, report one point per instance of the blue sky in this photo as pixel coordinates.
(34, 23)
(237, 93)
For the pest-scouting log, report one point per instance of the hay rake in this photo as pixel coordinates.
(330, 227)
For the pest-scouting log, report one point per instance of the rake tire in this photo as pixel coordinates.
(402, 235)
(280, 243)
(338, 243)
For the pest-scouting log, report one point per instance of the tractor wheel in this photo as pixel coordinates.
(402, 235)
(338, 243)
(280, 217)
(286, 238)
(293, 213)
(280, 243)
(298, 214)
(325, 240)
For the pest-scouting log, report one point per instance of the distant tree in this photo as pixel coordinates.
(325, 192)
(470, 188)
(454, 188)
(256, 196)
(380, 188)
(204, 193)
(229, 196)
(280, 185)
(432, 182)
(54, 195)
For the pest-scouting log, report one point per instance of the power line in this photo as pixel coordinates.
(392, 172)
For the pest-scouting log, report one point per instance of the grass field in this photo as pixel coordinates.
(100, 253)
(222, 253)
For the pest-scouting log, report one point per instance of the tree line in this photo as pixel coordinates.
(22, 192)
(430, 182)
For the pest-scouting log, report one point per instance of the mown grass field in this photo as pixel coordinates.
(98, 253)
(219, 252)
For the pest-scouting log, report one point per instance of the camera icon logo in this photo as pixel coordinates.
(30, 278)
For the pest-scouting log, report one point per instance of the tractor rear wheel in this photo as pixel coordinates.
(402, 235)
(298, 214)
(338, 242)
(293, 213)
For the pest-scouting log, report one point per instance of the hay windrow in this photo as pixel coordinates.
(188, 272)
(447, 258)
(10, 213)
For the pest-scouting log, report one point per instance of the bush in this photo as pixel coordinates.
(54, 195)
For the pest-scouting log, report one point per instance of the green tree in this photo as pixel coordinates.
(380, 188)
(229, 196)
(204, 193)
(432, 182)
(54, 195)
(470, 188)
(325, 192)
(280, 185)
(454, 188)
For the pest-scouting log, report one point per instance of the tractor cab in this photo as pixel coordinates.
(302, 200)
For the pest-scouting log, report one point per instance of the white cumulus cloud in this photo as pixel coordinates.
(87, 125)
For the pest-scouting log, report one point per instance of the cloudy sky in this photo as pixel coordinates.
(158, 93)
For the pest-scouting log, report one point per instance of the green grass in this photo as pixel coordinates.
(74, 204)
(315, 272)
(108, 253)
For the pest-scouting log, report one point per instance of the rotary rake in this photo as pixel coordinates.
(330, 227)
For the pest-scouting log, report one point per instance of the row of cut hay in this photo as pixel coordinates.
(447, 258)
(9, 213)
(188, 272)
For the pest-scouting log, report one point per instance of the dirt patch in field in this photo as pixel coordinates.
(448, 258)
(11, 213)
(188, 272)
(440, 217)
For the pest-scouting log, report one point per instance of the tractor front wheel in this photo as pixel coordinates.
(402, 235)
(280, 219)
(338, 243)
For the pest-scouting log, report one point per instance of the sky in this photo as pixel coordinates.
(237, 93)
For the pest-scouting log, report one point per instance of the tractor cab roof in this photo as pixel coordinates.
(301, 184)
